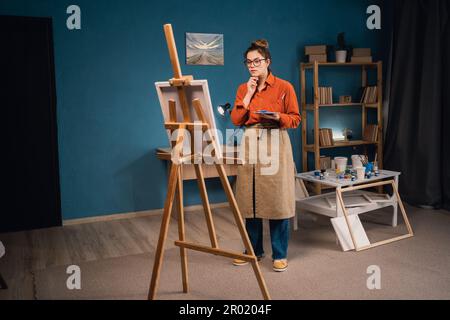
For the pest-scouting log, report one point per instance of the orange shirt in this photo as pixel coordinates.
(277, 96)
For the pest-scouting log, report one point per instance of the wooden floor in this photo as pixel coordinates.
(416, 268)
(40, 249)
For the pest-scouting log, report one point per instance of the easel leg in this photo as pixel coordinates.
(174, 173)
(243, 232)
(206, 206)
(181, 230)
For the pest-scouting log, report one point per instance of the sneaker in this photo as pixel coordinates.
(280, 265)
(239, 262)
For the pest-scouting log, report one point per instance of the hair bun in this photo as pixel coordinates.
(261, 43)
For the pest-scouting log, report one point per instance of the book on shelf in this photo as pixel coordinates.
(325, 95)
(373, 98)
(329, 135)
(369, 95)
(371, 133)
(322, 141)
(326, 137)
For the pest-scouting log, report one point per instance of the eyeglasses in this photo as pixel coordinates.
(256, 62)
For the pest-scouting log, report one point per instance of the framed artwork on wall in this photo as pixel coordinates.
(204, 49)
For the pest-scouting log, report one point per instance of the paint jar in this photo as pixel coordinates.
(341, 164)
(356, 161)
(360, 172)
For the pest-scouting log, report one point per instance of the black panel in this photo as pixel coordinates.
(28, 100)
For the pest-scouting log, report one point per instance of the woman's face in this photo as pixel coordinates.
(256, 63)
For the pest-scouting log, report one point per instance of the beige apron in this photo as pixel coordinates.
(268, 172)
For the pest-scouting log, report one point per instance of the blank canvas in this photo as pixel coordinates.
(345, 239)
(198, 89)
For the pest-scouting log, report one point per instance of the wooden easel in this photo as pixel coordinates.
(175, 185)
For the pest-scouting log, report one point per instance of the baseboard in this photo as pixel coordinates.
(138, 214)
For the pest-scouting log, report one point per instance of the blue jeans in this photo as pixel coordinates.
(279, 236)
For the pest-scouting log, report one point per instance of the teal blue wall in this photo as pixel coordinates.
(109, 119)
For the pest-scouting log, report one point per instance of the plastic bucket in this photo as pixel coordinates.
(341, 163)
(341, 56)
(356, 161)
(360, 173)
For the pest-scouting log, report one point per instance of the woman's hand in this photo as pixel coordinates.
(252, 84)
(275, 116)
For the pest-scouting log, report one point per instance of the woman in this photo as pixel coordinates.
(261, 195)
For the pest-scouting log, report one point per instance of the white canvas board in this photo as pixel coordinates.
(343, 233)
(198, 89)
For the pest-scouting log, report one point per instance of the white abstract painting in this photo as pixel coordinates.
(204, 49)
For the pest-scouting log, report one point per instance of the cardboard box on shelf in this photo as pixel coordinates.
(319, 49)
(362, 52)
(318, 57)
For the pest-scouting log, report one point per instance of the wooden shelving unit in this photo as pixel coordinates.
(315, 107)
